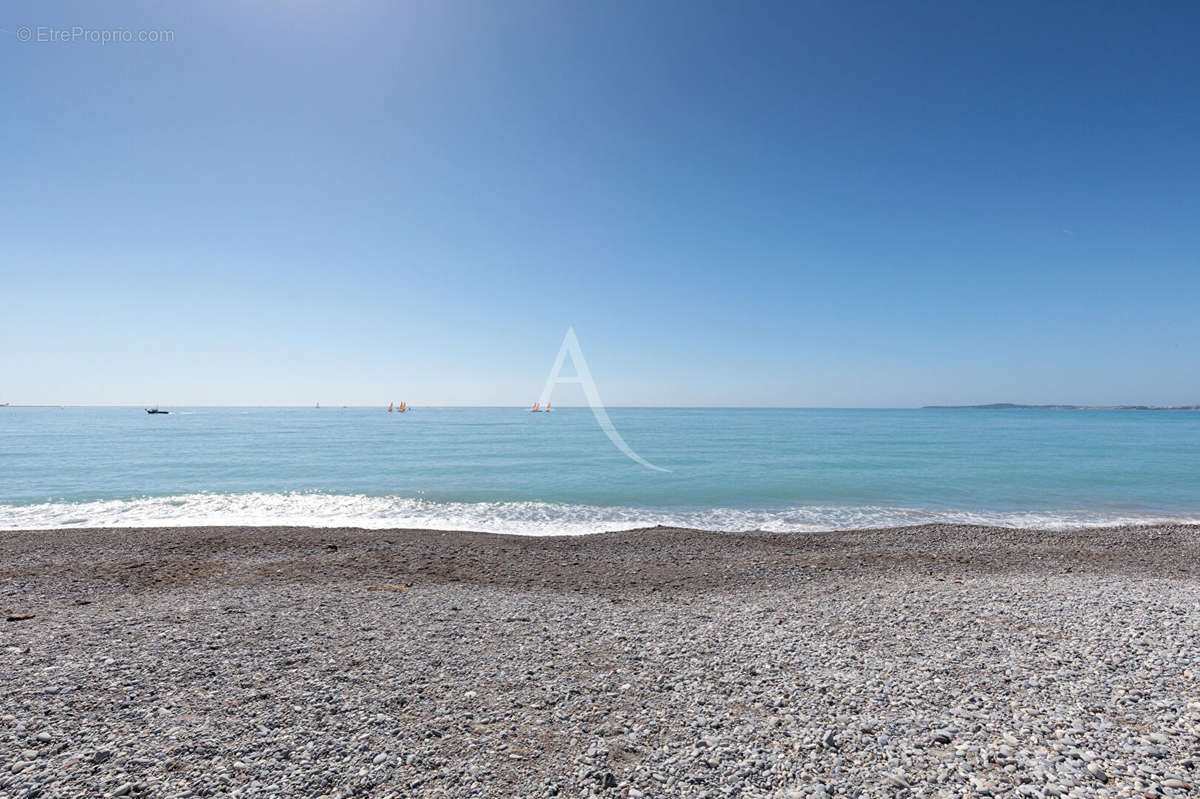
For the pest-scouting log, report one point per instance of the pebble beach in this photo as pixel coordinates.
(936, 661)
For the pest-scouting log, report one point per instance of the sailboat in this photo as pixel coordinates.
(537, 407)
(390, 406)
(547, 407)
(403, 408)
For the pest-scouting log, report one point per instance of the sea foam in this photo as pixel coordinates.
(521, 518)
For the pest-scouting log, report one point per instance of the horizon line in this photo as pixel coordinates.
(335, 406)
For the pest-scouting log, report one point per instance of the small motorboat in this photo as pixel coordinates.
(155, 410)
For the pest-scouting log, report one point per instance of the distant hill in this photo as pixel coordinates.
(1013, 406)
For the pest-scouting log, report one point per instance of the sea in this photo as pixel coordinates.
(508, 470)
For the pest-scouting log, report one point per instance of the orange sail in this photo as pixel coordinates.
(390, 406)
(547, 407)
(535, 408)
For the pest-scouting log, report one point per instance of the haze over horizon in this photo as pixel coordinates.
(844, 205)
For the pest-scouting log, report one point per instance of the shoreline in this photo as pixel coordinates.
(918, 661)
(612, 560)
(319, 510)
(1098, 537)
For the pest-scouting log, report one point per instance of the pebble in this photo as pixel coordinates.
(867, 680)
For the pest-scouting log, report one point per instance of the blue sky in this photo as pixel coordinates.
(808, 204)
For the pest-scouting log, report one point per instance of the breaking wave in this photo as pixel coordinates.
(521, 518)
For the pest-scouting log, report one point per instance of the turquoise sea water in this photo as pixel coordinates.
(505, 469)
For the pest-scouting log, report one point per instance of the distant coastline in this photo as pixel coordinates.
(994, 406)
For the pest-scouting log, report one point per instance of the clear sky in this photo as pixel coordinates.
(808, 204)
